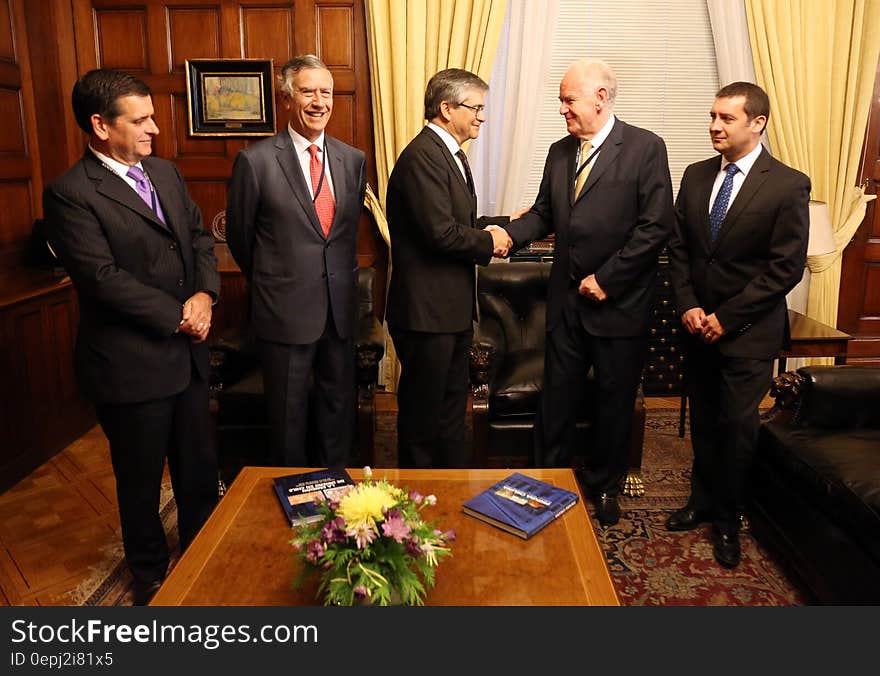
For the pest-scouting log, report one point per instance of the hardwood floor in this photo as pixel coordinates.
(60, 524)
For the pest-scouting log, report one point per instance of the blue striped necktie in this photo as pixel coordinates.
(722, 199)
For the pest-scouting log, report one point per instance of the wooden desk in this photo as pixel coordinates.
(809, 338)
(242, 556)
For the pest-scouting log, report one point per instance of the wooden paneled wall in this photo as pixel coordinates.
(20, 178)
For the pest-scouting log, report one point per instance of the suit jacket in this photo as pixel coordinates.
(435, 240)
(296, 276)
(615, 229)
(132, 274)
(757, 258)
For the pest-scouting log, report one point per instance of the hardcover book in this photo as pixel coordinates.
(297, 492)
(520, 504)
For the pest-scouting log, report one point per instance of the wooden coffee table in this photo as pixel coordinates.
(242, 556)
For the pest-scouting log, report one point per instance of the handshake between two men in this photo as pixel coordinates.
(502, 243)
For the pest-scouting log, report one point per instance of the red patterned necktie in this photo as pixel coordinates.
(324, 204)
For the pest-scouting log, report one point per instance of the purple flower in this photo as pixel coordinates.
(413, 546)
(449, 535)
(361, 592)
(333, 530)
(416, 497)
(395, 527)
(314, 551)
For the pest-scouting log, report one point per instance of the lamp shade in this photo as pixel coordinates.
(821, 235)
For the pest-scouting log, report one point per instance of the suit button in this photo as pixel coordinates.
(179, 282)
(172, 246)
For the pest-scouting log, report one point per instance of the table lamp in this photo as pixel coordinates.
(821, 242)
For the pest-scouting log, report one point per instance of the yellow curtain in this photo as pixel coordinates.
(409, 41)
(817, 59)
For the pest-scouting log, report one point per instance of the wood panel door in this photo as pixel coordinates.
(20, 181)
(859, 306)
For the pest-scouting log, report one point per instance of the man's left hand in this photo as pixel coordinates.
(590, 288)
(711, 330)
(196, 316)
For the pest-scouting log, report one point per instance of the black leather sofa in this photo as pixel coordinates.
(507, 369)
(816, 481)
(237, 390)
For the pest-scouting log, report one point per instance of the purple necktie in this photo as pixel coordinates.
(145, 190)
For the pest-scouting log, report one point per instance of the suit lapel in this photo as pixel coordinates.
(455, 169)
(111, 185)
(702, 195)
(337, 172)
(608, 153)
(758, 174)
(286, 155)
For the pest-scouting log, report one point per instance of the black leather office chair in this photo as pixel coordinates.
(507, 373)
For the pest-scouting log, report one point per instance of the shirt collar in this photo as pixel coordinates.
(447, 138)
(745, 163)
(301, 143)
(599, 138)
(113, 165)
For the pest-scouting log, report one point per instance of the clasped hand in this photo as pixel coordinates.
(196, 317)
(696, 321)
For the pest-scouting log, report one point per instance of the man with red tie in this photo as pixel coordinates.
(291, 224)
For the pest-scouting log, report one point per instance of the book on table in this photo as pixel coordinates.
(520, 504)
(297, 492)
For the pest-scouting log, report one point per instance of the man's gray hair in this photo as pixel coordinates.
(294, 66)
(450, 85)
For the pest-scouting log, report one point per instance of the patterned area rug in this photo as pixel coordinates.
(648, 564)
(111, 584)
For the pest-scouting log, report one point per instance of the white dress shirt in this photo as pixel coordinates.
(450, 142)
(119, 168)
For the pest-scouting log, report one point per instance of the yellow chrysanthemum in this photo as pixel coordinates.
(365, 505)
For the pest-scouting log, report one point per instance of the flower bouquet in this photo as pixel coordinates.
(372, 546)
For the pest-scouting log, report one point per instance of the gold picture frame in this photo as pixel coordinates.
(230, 97)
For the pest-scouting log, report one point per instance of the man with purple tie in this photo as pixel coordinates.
(144, 268)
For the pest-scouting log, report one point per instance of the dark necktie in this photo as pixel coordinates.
(467, 171)
(145, 190)
(325, 207)
(722, 199)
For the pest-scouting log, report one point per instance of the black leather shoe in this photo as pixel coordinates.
(686, 518)
(143, 591)
(607, 509)
(726, 549)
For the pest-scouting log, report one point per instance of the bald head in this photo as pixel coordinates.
(586, 96)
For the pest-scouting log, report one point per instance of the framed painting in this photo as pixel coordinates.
(230, 97)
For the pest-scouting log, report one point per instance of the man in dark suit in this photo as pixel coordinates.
(606, 195)
(739, 247)
(292, 223)
(435, 242)
(132, 241)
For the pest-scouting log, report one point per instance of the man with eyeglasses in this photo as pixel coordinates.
(606, 194)
(292, 215)
(436, 239)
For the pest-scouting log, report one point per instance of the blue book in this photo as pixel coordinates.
(297, 492)
(520, 504)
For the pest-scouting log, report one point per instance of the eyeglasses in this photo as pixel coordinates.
(477, 109)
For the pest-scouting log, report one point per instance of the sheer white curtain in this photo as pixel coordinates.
(730, 32)
(500, 157)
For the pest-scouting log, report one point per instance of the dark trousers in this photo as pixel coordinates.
(432, 398)
(617, 367)
(724, 394)
(317, 380)
(141, 436)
